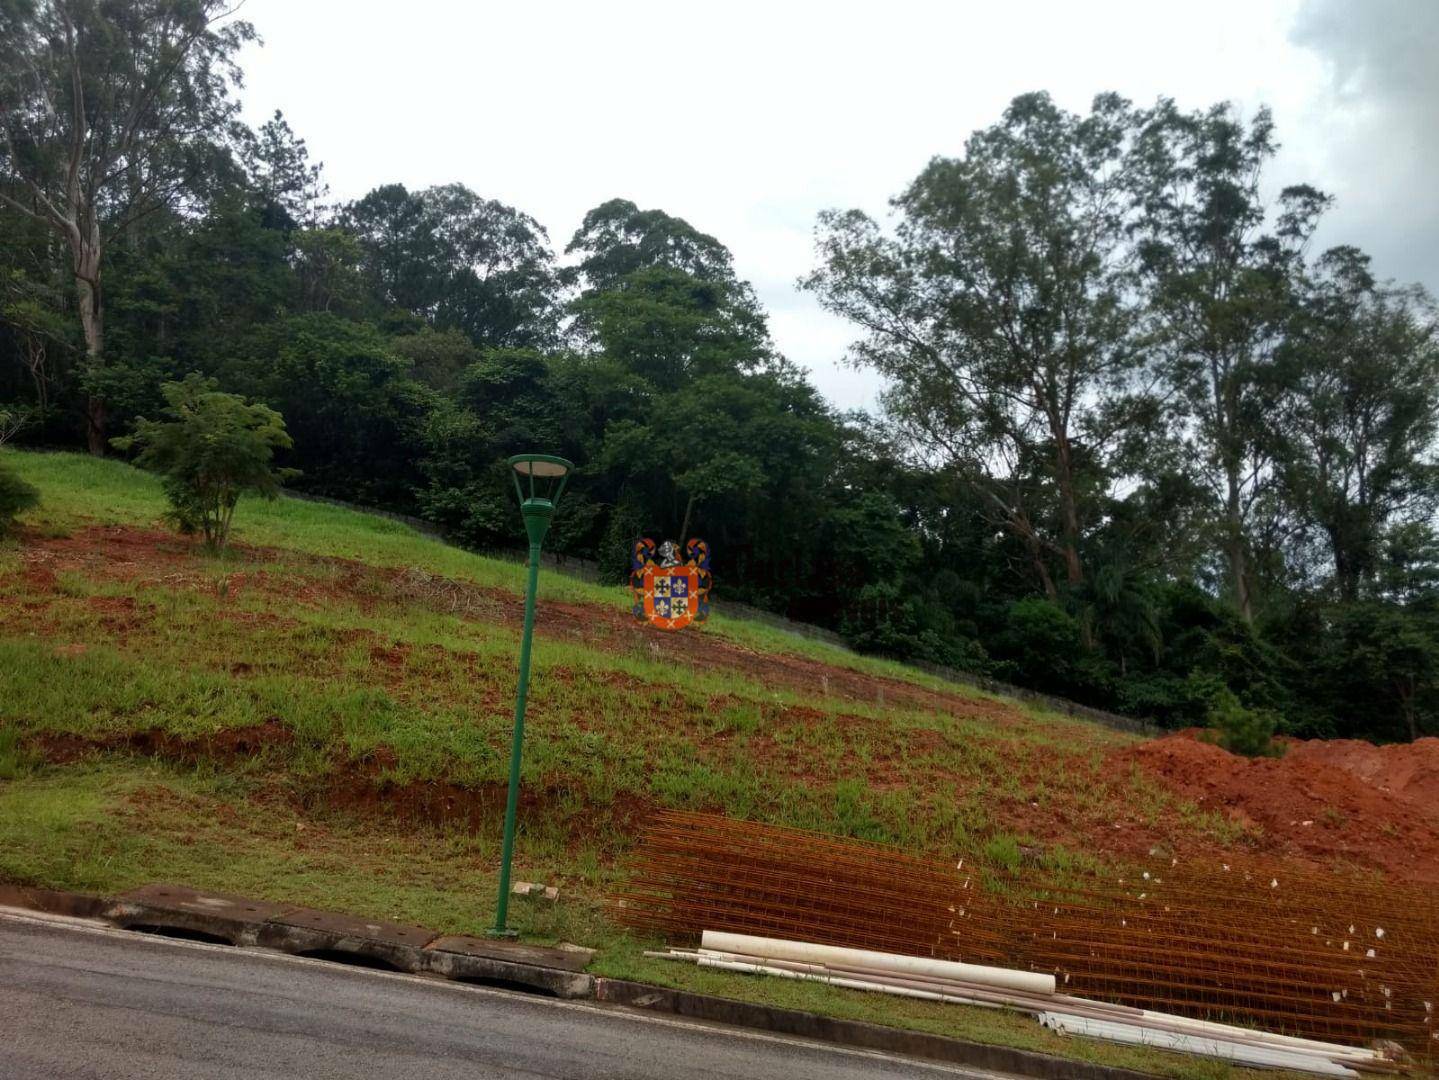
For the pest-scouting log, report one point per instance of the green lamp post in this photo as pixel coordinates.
(547, 476)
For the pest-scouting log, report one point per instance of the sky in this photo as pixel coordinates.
(747, 119)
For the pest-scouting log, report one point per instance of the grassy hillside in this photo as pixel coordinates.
(324, 715)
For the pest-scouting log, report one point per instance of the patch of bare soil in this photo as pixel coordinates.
(362, 789)
(111, 552)
(231, 744)
(1327, 801)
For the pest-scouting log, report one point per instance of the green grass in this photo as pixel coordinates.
(132, 664)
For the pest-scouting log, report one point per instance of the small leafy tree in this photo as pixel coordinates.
(213, 449)
(1243, 730)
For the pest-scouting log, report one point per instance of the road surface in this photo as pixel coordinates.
(88, 1002)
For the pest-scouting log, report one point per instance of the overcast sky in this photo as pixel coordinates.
(749, 118)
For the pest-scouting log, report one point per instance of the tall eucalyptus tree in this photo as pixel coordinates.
(110, 110)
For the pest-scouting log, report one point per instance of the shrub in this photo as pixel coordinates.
(16, 496)
(1241, 730)
(214, 448)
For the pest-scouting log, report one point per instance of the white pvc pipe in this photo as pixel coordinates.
(967, 993)
(932, 981)
(975, 994)
(1286, 1042)
(804, 952)
(1239, 1053)
(835, 980)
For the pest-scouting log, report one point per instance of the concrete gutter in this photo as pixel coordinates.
(857, 1033)
(558, 972)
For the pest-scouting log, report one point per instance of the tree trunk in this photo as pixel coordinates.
(35, 361)
(1069, 514)
(1036, 555)
(1346, 572)
(92, 324)
(1234, 551)
(1405, 693)
(1239, 576)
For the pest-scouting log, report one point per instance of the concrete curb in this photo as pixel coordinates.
(856, 1033)
(414, 950)
(304, 932)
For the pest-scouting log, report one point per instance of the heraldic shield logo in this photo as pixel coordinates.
(670, 594)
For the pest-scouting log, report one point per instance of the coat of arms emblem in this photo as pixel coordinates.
(668, 593)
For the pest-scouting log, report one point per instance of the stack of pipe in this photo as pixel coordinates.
(1026, 991)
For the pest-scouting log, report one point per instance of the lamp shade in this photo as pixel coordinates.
(539, 481)
(540, 465)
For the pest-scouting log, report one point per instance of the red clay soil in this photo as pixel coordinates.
(1327, 801)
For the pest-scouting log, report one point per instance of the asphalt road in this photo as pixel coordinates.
(83, 1001)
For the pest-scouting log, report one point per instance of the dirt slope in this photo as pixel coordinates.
(1370, 805)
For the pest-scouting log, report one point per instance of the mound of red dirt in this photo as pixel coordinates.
(1339, 800)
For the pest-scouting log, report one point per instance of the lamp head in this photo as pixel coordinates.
(539, 482)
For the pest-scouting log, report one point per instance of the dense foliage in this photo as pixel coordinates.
(1141, 446)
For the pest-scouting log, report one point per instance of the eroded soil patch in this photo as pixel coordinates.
(1363, 804)
(226, 746)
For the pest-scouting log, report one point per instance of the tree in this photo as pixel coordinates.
(402, 255)
(1218, 297)
(30, 313)
(501, 285)
(1249, 732)
(1360, 371)
(108, 112)
(709, 425)
(507, 401)
(328, 274)
(458, 261)
(214, 448)
(669, 327)
(621, 244)
(1041, 645)
(999, 313)
(617, 239)
(437, 358)
(354, 411)
(277, 162)
(1384, 667)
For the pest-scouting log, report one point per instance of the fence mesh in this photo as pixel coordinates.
(1325, 955)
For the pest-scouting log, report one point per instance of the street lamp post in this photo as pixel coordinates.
(547, 477)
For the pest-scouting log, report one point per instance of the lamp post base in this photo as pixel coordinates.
(501, 932)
